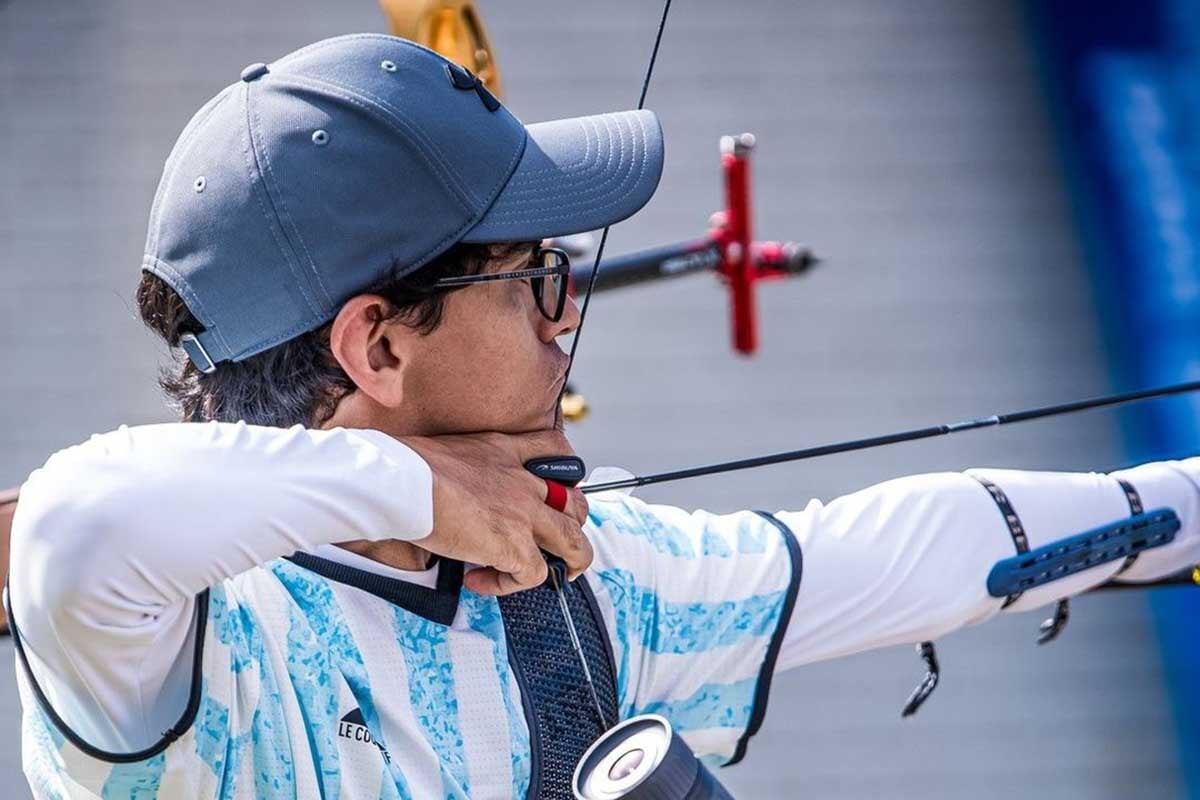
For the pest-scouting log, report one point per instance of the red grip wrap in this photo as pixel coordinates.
(556, 496)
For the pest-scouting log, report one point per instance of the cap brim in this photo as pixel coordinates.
(576, 175)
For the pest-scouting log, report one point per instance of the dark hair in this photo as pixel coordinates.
(298, 381)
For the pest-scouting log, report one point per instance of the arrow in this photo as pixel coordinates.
(912, 435)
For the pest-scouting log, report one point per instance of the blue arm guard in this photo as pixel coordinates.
(1064, 557)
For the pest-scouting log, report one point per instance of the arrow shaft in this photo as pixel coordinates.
(912, 435)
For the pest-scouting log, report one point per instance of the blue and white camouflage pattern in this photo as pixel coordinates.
(311, 688)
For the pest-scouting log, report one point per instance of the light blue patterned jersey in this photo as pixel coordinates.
(314, 687)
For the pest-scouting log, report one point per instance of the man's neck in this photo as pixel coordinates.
(356, 411)
(392, 552)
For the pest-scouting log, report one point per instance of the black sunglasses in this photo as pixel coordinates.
(549, 280)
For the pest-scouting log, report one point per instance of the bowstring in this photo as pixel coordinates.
(587, 297)
(564, 608)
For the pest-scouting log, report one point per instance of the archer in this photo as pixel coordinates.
(329, 578)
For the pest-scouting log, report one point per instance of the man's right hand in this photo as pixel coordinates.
(489, 510)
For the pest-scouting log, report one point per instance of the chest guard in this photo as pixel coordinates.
(560, 710)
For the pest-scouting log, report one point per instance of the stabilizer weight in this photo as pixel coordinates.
(1112, 542)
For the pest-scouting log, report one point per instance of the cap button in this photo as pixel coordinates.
(254, 71)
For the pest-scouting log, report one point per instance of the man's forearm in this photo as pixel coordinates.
(157, 513)
(908, 560)
(114, 538)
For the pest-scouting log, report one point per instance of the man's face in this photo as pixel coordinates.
(493, 364)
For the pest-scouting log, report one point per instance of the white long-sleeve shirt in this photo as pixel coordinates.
(117, 540)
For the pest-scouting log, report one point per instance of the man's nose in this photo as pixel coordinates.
(566, 324)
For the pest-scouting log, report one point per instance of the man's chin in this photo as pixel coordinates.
(551, 419)
(532, 419)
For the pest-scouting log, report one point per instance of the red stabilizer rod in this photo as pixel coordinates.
(734, 233)
(728, 249)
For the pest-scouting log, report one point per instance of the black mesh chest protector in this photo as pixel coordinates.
(559, 709)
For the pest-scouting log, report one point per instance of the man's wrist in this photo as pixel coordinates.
(408, 481)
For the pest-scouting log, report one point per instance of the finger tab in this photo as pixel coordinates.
(567, 470)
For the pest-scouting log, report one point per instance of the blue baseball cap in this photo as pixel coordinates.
(360, 158)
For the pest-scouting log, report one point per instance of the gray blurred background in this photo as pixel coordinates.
(907, 143)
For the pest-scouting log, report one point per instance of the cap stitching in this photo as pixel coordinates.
(284, 246)
(530, 177)
(535, 186)
(349, 37)
(587, 156)
(523, 193)
(425, 147)
(346, 37)
(592, 119)
(513, 163)
(279, 338)
(403, 44)
(285, 219)
(512, 220)
(186, 141)
(636, 143)
(594, 190)
(179, 283)
(324, 317)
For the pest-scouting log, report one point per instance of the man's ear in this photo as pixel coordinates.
(371, 348)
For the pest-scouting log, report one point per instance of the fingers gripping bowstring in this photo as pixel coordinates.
(587, 297)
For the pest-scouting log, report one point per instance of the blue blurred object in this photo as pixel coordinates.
(1122, 79)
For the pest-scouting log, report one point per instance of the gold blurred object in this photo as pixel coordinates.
(574, 406)
(1196, 574)
(450, 27)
